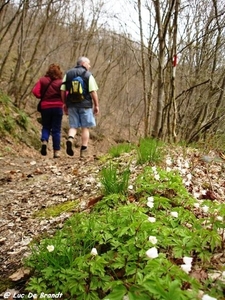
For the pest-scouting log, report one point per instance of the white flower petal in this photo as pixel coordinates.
(196, 195)
(205, 208)
(150, 204)
(50, 248)
(150, 199)
(157, 177)
(187, 260)
(152, 252)
(174, 214)
(186, 268)
(219, 218)
(153, 239)
(94, 252)
(151, 219)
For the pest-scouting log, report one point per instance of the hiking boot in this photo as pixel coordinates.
(56, 154)
(84, 153)
(69, 147)
(44, 148)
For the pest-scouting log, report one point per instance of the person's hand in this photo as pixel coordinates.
(96, 110)
(65, 108)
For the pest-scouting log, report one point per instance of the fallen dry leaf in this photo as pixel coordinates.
(19, 274)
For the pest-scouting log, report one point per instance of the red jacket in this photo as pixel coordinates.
(49, 92)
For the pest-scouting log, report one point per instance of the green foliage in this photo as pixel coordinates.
(11, 116)
(117, 150)
(149, 151)
(155, 181)
(110, 202)
(15, 122)
(113, 181)
(22, 120)
(120, 231)
(8, 124)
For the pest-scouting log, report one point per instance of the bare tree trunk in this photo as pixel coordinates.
(173, 78)
(5, 29)
(143, 71)
(162, 26)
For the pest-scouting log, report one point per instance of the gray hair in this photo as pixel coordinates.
(81, 60)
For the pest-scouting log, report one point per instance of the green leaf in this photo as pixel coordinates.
(117, 294)
(136, 295)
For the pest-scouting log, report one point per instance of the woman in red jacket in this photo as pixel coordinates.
(48, 90)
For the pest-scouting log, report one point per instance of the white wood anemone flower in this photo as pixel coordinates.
(94, 252)
(50, 248)
(150, 199)
(186, 268)
(174, 214)
(187, 260)
(153, 239)
(150, 204)
(151, 219)
(152, 252)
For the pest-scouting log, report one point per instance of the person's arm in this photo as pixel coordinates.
(63, 95)
(93, 87)
(37, 90)
(94, 97)
(63, 90)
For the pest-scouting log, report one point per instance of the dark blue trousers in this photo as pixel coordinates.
(51, 125)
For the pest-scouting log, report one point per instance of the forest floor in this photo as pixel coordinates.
(30, 182)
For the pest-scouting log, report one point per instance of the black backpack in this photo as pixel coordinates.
(75, 88)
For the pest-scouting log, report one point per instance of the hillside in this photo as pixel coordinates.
(38, 194)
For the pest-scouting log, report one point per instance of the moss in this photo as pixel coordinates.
(5, 284)
(57, 210)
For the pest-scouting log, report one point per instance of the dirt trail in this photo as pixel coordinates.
(29, 184)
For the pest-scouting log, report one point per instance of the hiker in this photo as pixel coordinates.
(51, 107)
(80, 107)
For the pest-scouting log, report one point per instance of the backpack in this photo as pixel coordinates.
(76, 89)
